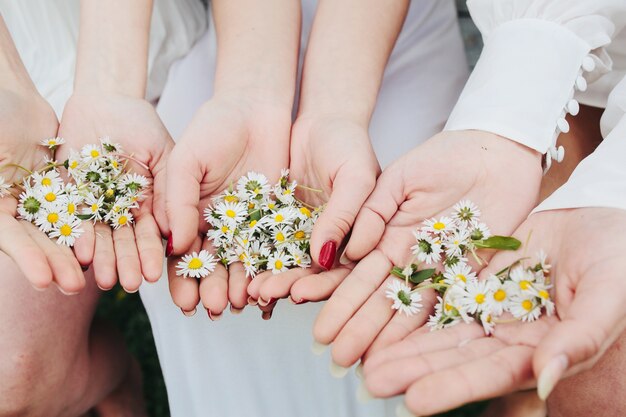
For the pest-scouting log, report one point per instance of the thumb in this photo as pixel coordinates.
(182, 196)
(587, 327)
(350, 189)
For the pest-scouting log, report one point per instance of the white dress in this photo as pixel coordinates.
(242, 365)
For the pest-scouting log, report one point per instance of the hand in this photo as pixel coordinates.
(133, 123)
(444, 369)
(500, 176)
(228, 137)
(332, 154)
(25, 120)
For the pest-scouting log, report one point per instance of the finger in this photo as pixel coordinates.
(84, 247)
(320, 286)
(377, 210)
(19, 246)
(423, 341)
(497, 374)
(150, 247)
(159, 189)
(585, 330)
(254, 289)
(238, 283)
(278, 286)
(395, 377)
(351, 187)
(182, 197)
(184, 291)
(214, 289)
(104, 263)
(65, 268)
(364, 280)
(127, 259)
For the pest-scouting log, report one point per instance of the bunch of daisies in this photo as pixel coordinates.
(446, 243)
(100, 190)
(263, 226)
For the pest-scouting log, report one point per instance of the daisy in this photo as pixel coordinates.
(121, 219)
(542, 266)
(407, 302)
(278, 262)
(426, 250)
(29, 205)
(133, 183)
(52, 143)
(73, 163)
(479, 231)
(47, 179)
(522, 278)
(466, 211)
(487, 320)
(300, 258)
(91, 152)
(498, 300)
(109, 146)
(49, 195)
(304, 213)
(286, 195)
(253, 185)
(67, 231)
(459, 274)
(474, 296)
(48, 218)
(70, 203)
(4, 188)
(196, 265)
(280, 217)
(94, 207)
(281, 236)
(525, 309)
(457, 242)
(439, 226)
(231, 213)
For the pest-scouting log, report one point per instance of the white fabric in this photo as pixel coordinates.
(46, 32)
(242, 365)
(600, 179)
(535, 54)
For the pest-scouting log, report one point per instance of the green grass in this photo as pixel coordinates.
(128, 314)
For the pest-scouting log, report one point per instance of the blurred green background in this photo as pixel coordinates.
(127, 312)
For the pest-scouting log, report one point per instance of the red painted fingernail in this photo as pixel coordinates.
(188, 313)
(266, 315)
(170, 246)
(327, 255)
(213, 317)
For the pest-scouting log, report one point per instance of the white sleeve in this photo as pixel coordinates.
(536, 54)
(600, 179)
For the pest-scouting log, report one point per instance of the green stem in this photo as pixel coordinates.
(314, 190)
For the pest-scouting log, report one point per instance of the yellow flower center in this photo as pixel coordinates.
(195, 263)
(448, 307)
(250, 206)
(299, 235)
(52, 142)
(278, 264)
(544, 294)
(242, 257)
(50, 197)
(499, 295)
(439, 226)
(53, 218)
(74, 164)
(231, 213)
(71, 208)
(225, 229)
(253, 223)
(480, 298)
(94, 208)
(46, 182)
(94, 153)
(271, 206)
(122, 220)
(280, 237)
(287, 192)
(231, 198)
(461, 277)
(114, 163)
(257, 190)
(305, 211)
(109, 193)
(527, 305)
(65, 230)
(279, 218)
(524, 285)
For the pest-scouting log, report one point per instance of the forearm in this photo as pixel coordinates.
(349, 46)
(13, 74)
(113, 46)
(257, 48)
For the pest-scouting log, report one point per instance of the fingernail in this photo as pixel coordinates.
(402, 411)
(213, 317)
(189, 313)
(318, 348)
(252, 301)
(235, 310)
(102, 288)
(264, 303)
(170, 246)
(327, 255)
(131, 291)
(266, 315)
(358, 371)
(338, 371)
(84, 268)
(66, 292)
(362, 394)
(343, 260)
(550, 375)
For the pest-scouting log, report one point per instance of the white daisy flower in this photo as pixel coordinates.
(466, 211)
(121, 219)
(253, 185)
(4, 188)
(474, 297)
(133, 183)
(48, 179)
(525, 309)
(73, 163)
(231, 213)
(67, 231)
(457, 242)
(30, 203)
(110, 147)
(278, 262)
(91, 152)
(300, 258)
(404, 300)
(282, 216)
(542, 293)
(459, 274)
(49, 195)
(281, 236)
(304, 214)
(499, 299)
(286, 195)
(196, 265)
(426, 250)
(522, 278)
(94, 207)
(479, 230)
(543, 265)
(439, 226)
(488, 323)
(52, 143)
(48, 218)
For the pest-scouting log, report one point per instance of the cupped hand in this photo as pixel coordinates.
(334, 163)
(129, 253)
(450, 367)
(500, 176)
(25, 120)
(228, 137)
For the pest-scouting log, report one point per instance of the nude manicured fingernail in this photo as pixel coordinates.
(66, 292)
(328, 254)
(189, 313)
(213, 317)
(343, 259)
(235, 310)
(550, 375)
(362, 394)
(264, 303)
(402, 411)
(252, 301)
(358, 371)
(170, 246)
(338, 371)
(318, 348)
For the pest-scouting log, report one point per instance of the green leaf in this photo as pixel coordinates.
(422, 275)
(498, 242)
(255, 215)
(84, 216)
